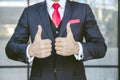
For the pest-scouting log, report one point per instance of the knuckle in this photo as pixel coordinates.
(57, 39)
(49, 53)
(50, 46)
(39, 56)
(56, 48)
(42, 51)
(42, 56)
(42, 47)
(48, 50)
(56, 45)
(50, 41)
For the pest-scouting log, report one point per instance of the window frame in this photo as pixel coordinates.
(119, 38)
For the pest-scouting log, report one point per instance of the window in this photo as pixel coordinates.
(106, 13)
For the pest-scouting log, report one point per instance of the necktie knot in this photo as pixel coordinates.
(56, 5)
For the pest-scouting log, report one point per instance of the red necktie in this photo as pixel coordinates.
(56, 15)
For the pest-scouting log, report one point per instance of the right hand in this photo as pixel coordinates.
(40, 48)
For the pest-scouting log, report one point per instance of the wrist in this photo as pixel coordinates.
(76, 48)
(29, 51)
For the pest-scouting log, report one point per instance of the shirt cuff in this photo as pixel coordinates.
(80, 56)
(30, 59)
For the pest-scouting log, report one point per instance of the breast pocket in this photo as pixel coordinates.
(78, 31)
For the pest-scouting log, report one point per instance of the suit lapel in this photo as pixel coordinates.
(67, 15)
(45, 20)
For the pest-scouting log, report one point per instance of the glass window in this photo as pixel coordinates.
(106, 13)
(10, 11)
(102, 73)
(35, 1)
(13, 74)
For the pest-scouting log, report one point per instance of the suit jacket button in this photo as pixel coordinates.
(57, 32)
(55, 70)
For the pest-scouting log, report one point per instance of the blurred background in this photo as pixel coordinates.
(106, 13)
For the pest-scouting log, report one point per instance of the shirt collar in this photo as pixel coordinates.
(61, 2)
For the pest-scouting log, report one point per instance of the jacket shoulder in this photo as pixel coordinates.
(78, 4)
(35, 6)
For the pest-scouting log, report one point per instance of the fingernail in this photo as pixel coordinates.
(38, 26)
(68, 23)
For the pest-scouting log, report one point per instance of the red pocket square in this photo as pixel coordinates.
(74, 21)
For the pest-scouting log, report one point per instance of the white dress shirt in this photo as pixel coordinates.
(61, 10)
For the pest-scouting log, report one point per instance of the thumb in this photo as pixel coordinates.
(38, 34)
(69, 31)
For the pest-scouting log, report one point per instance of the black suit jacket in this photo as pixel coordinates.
(67, 68)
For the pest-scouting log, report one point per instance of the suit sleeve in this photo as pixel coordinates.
(16, 46)
(95, 46)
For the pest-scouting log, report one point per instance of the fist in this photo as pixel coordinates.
(67, 46)
(40, 48)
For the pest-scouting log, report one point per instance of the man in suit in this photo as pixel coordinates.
(56, 29)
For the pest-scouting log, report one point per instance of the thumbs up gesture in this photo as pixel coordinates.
(40, 48)
(67, 46)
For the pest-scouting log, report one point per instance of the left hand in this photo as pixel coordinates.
(67, 46)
